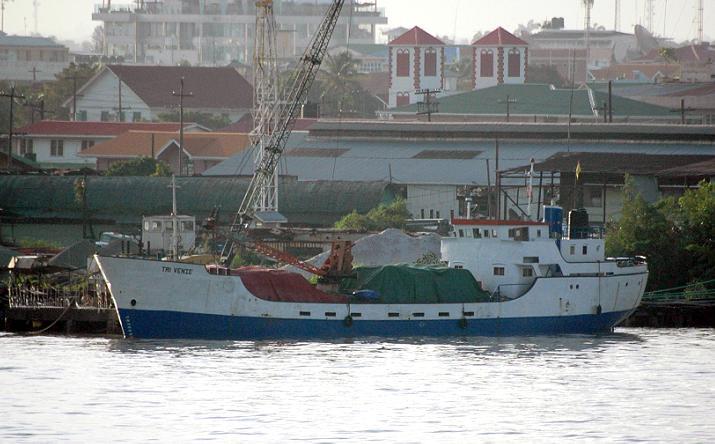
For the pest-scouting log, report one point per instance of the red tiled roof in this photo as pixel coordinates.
(77, 128)
(211, 87)
(500, 37)
(199, 145)
(416, 36)
(245, 125)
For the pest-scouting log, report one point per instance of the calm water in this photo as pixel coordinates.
(635, 385)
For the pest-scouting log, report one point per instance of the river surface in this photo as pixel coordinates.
(637, 385)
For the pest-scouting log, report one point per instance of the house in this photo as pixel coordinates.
(201, 150)
(570, 63)
(371, 57)
(499, 58)
(637, 72)
(143, 93)
(56, 144)
(604, 46)
(416, 62)
(538, 103)
(31, 58)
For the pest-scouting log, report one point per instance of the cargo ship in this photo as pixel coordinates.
(500, 277)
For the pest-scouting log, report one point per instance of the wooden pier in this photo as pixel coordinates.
(67, 320)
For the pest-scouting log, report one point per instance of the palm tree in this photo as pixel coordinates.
(339, 82)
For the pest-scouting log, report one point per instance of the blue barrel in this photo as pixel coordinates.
(554, 216)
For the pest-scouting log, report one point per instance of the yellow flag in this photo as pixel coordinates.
(578, 169)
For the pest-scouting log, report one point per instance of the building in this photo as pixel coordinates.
(145, 92)
(371, 57)
(202, 150)
(570, 63)
(416, 62)
(539, 103)
(697, 61)
(604, 46)
(30, 58)
(436, 166)
(499, 58)
(57, 144)
(218, 32)
(637, 72)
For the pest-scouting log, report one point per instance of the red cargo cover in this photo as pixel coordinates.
(283, 286)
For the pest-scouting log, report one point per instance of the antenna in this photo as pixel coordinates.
(649, 14)
(35, 6)
(617, 18)
(700, 20)
(588, 4)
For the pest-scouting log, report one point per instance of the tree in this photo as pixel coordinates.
(546, 74)
(393, 215)
(696, 217)
(98, 40)
(211, 121)
(142, 166)
(61, 89)
(339, 83)
(463, 69)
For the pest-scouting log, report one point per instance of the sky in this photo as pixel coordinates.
(72, 19)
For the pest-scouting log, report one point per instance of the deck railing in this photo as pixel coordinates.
(23, 295)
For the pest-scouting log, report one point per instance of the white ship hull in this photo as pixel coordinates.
(175, 300)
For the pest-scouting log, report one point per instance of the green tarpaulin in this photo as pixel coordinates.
(409, 284)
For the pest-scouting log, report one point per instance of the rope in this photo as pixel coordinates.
(682, 287)
(64, 312)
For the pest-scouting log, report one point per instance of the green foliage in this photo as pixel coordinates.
(676, 236)
(142, 166)
(463, 69)
(429, 258)
(245, 258)
(37, 243)
(211, 121)
(668, 54)
(340, 90)
(384, 216)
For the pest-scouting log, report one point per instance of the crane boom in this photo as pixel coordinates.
(285, 114)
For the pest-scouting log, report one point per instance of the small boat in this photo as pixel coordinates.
(502, 278)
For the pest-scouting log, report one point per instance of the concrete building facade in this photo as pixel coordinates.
(499, 58)
(31, 59)
(416, 62)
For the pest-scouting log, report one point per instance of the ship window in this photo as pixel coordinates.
(585, 249)
(431, 214)
(486, 233)
(531, 259)
(461, 233)
(444, 314)
(305, 313)
(418, 315)
(437, 214)
(468, 313)
(494, 233)
(393, 314)
(476, 233)
(187, 225)
(498, 271)
(572, 250)
(527, 272)
(330, 314)
(538, 233)
(458, 266)
(422, 213)
(356, 315)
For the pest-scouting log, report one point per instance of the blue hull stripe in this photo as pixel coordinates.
(169, 324)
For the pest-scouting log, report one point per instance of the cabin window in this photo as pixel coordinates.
(430, 62)
(461, 233)
(498, 271)
(531, 259)
(437, 214)
(153, 225)
(494, 233)
(476, 233)
(458, 266)
(187, 225)
(572, 250)
(444, 314)
(418, 315)
(305, 313)
(431, 214)
(585, 249)
(403, 63)
(422, 213)
(486, 233)
(527, 272)
(538, 233)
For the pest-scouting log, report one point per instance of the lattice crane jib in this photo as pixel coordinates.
(284, 115)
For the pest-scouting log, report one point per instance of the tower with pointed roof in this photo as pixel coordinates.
(416, 61)
(499, 57)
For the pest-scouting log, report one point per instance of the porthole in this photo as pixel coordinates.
(576, 286)
(133, 302)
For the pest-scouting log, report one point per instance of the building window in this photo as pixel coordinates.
(584, 250)
(104, 117)
(527, 272)
(26, 146)
(498, 271)
(430, 62)
(403, 99)
(594, 197)
(57, 148)
(136, 116)
(514, 63)
(403, 62)
(486, 63)
(86, 144)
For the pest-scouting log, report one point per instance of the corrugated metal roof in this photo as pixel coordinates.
(23, 40)
(127, 199)
(81, 128)
(617, 163)
(394, 160)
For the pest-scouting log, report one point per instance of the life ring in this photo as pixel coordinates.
(348, 321)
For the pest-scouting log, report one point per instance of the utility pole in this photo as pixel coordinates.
(120, 117)
(682, 110)
(610, 101)
(74, 77)
(427, 106)
(508, 102)
(34, 72)
(36, 106)
(181, 96)
(2, 14)
(12, 95)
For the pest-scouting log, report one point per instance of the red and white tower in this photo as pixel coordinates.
(499, 57)
(416, 61)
